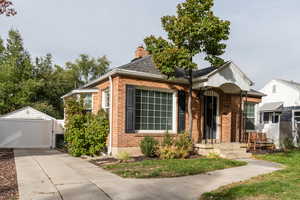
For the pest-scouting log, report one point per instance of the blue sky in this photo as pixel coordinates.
(264, 40)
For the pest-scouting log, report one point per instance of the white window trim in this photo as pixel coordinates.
(293, 119)
(174, 117)
(103, 99)
(255, 116)
(79, 95)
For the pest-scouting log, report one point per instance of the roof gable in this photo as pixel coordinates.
(27, 113)
(227, 74)
(145, 68)
(291, 84)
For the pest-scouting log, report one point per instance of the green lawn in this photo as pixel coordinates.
(283, 184)
(170, 168)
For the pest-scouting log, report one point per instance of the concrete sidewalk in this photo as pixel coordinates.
(51, 175)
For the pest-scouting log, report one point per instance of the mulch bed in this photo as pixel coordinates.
(8, 175)
(111, 160)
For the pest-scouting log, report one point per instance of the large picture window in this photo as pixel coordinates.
(249, 111)
(154, 110)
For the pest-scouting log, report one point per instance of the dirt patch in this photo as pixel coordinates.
(8, 175)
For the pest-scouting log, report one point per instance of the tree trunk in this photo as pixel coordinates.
(190, 105)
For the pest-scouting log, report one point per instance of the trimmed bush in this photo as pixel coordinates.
(85, 133)
(123, 156)
(168, 140)
(181, 147)
(149, 146)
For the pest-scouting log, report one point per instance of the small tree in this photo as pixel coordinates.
(5, 8)
(194, 30)
(85, 133)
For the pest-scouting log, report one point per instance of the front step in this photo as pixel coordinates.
(224, 150)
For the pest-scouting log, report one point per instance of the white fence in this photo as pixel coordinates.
(20, 133)
(272, 131)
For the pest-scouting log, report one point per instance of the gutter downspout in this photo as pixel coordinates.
(110, 115)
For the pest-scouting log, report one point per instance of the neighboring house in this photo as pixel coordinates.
(280, 110)
(28, 128)
(143, 102)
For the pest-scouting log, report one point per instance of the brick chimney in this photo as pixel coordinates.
(140, 52)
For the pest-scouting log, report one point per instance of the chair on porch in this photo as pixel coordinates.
(259, 141)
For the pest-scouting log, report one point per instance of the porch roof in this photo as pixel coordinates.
(81, 91)
(273, 106)
(228, 77)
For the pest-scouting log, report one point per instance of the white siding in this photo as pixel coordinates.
(21, 133)
(288, 95)
(27, 113)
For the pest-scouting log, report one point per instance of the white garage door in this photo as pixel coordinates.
(20, 133)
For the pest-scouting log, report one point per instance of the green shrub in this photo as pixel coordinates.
(184, 141)
(123, 156)
(288, 144)
(148, 146)
(181, 147)
(167, 140)
(168, 152)
(85, 133)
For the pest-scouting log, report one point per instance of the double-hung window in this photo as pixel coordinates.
(249, 116)
(88, 102)
(105, 99)
(154, 110)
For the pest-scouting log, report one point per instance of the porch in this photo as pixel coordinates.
(223, 100)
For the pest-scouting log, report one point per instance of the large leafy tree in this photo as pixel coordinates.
(88, 68)
(6, 8)
(41, 83)
(17, 81)
(194, 30)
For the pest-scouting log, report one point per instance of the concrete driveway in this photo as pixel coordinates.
(51, 175)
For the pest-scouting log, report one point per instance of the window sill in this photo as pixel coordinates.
(153, 134)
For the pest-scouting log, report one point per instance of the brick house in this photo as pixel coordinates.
(142, 102)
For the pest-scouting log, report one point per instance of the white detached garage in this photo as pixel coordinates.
(28, 128)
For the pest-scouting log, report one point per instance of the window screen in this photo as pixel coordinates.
(249, 116)
(154, 110)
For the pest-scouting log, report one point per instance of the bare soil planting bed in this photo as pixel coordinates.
(8, 175)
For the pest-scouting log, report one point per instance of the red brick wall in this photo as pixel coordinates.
(229, 111)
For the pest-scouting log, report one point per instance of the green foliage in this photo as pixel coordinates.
(181, 147)
(170, 168)
(123, 156)
(38, 82)
(85, 133)
(194, 30)
(282, 184)
(167, 140)
(46, 108)
(87, 68)
(184, 142)
(148, 146)
(74, 107)
(288, 144)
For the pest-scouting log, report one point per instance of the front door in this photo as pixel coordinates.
(210, 117)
